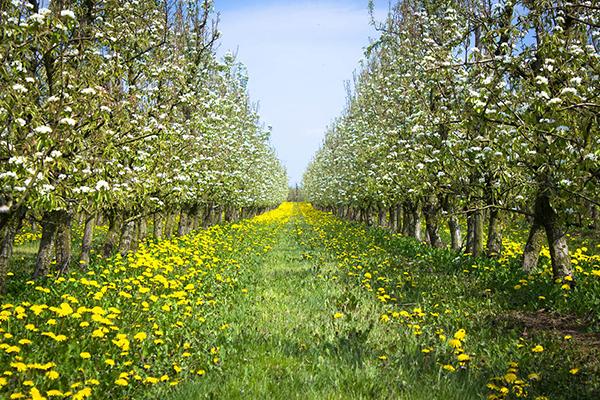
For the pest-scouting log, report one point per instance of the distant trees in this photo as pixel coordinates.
(121, 109)
(475, 110)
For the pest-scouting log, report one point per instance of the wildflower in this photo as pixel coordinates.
(460, 334)
(85, 355)
(52, 375)
(35, 394)
(449, 368)
(574, 371)
(121, 382)
(537, 349)
(338, 315)
(140, 336)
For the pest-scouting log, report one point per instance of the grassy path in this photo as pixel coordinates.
(286, 342)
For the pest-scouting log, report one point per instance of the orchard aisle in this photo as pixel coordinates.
(286, 341)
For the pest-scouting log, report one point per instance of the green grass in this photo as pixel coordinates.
(284, 342)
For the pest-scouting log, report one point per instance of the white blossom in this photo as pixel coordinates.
(43, 129)
(67, 13)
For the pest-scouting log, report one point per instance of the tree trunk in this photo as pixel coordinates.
(557, 241)
(170, 221)
(219, 215)
(381, 217)
(195, 218)
(494, 240)
(432, 223)
(474, 233)
(407, 222)
(158, 226)
(207, 217)
(86, 241)
(63, 240)
(142, 229)
(8, 231)
(393, 220)
(112, 237)
(126, 237)
(415, 219)
(44, 255)
(531, 253)
(183, 222)
(455, 236)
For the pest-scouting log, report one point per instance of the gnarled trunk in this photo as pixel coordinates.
(455, 235)
(63, 240)
(44, 255)
(113, 234)
(126, 237)
(474, 233)
(158, 226)
(531, 252)
(392, 223)
(432, 223)
(381, 217)
(557, 241)
(8, 231)
(494, 240)
(86, 240)
(183, 223)
(169, 223)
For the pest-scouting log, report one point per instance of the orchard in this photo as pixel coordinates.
(444, 242)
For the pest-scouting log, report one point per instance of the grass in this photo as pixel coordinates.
(320, 308)
(285, 342)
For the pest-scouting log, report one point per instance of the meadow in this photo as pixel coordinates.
(297, 303)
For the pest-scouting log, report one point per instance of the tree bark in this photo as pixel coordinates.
(113, 234)
(393, 221)
(183, 223)
(474, 233)
(381, 217)
(494, 240)
(126, 237)
(415, 222)
(531, 252)
(407, 222)
(86, 240)
(169, 222)
(158, 226)
(44, 255)
(8, 231)
(63, 240)
(557, 241)
(455, 235)
(432, 223)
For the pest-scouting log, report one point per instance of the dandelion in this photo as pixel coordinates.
(537, 349)
(449, 368)
(85, 355)
(338, 315)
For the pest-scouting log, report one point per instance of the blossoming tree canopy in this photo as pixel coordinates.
(472, 109)
(121, 109)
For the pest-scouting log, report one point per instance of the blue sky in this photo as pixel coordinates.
(298, 55)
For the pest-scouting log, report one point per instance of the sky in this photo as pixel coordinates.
(298, 55)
